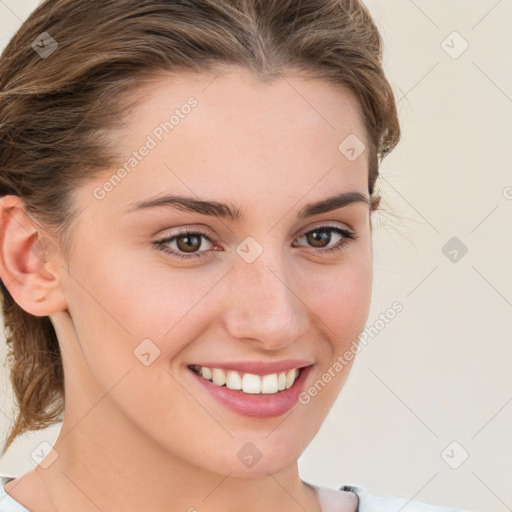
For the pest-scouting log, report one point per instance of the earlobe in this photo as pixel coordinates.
(26, 266)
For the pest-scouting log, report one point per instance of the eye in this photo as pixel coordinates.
(187, 241)
(187, 244)
(322, 236)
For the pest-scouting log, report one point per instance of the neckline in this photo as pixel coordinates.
(327, 498)
(10, 499)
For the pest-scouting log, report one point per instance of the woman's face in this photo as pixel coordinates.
(278, 282)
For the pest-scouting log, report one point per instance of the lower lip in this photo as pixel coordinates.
(256, 405)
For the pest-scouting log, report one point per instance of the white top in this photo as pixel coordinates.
(7, 503)
(330, 501)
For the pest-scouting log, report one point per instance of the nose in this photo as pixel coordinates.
(265, 305)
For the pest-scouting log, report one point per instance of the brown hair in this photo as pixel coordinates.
(56, 113)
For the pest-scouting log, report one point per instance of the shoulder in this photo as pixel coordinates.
(372, 503)
(7, 502)
(333, 500)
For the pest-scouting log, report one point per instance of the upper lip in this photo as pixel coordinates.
(258, 367)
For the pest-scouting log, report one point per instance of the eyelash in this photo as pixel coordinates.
(347, 235)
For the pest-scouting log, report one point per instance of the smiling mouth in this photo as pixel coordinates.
(249, 383)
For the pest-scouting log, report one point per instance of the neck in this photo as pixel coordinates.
(113, 472)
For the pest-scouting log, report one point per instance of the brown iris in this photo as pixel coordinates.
(314, 237)
(188, 242)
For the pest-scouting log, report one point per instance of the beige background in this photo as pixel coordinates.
(440, 371)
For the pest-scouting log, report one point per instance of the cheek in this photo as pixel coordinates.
(341, 298)
(117, 301)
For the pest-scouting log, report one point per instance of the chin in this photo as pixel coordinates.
(253, 459)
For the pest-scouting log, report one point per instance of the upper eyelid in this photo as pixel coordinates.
(207, 231)
(213, 239)
(327, 224)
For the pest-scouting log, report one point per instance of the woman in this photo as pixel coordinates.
(186, 190)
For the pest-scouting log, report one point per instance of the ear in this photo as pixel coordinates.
(375, 202)
(28, 260)
(374, 208)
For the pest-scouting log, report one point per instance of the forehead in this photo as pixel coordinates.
(214, 134)
(235, 98)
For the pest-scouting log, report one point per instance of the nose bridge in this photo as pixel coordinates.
(265, 303)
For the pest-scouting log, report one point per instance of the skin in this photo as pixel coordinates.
(139, 437)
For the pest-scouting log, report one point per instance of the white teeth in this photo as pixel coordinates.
(218, 377)
(269, 384)
(290, 377)
(233, 380)
(249, 382)
(281, 381)
(206, 373)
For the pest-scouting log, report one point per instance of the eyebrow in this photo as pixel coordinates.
(229, 211)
